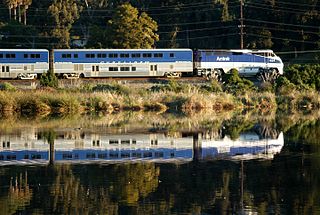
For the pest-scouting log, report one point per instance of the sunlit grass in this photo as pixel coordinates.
(183, 98)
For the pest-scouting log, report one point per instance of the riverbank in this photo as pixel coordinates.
(170, 97)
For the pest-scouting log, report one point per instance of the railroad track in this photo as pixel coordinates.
(107, 80)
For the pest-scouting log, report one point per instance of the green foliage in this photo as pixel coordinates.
(267, 87)
(284, 86)
(7, 87)
(17, 34)
(234, 84)
(263, 41)
(49, 79)
(113, 88)
(99, 38)
(64, 13)
(171, 86)
(49, 135)
(130, 30)
(213, 87)
(235, 126)
(304, 76)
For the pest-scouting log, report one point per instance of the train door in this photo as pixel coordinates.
(5, 71)
(153, 69)
(95, 70)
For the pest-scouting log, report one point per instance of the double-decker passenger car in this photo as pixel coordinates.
(122, 62)
(23, 63)
(247, 62)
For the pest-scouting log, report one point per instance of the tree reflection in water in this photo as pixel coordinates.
(19, 195)
(286, 184)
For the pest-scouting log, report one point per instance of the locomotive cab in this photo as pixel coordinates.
(213, 63)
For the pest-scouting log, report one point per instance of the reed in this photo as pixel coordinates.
(184, 99)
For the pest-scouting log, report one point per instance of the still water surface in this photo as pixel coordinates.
(212, 166)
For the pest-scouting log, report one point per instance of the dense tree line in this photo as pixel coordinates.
(282, 25)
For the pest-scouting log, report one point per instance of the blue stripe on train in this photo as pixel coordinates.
(230, 57)
(20, 58)
(80, 56)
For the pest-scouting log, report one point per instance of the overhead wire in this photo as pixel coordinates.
(282, 29)
(279, 38)
(201, 4)
(281, 23)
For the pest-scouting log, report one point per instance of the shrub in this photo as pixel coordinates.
(267, 87)
(213, 87)
(49, 79)
(171, 86)
(304, 76)
(284, 86)
(234, 84)
(113, 88)
(7, 87)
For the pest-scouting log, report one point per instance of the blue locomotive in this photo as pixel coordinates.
(75, 63)
(262, 63)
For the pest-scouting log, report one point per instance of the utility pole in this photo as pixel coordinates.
(188, 41)
(241, 24)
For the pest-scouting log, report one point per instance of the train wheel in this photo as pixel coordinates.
(81, 75)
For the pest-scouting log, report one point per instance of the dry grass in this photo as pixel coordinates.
(115, 98)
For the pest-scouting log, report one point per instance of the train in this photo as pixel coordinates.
(29, 147)
(86, 63)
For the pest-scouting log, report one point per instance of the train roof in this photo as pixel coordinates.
(239, 50)
(24, 50)
(120, 50)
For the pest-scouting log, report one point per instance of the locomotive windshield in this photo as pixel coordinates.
(264, 54)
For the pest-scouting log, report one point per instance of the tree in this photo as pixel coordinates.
(99, 38)
(26, 4)
(14, 4)
(264, 41)
(18, 35)
(129, 30)
(64, 13)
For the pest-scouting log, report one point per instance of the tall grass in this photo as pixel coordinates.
(183, 98)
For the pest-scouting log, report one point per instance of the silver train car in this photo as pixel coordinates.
(23, 63)
(82, 63)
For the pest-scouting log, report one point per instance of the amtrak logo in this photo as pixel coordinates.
(223, 58)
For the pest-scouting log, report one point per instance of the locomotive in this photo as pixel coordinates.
(82, 63)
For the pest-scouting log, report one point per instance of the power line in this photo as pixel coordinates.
(299, 52)
(296, 4)
(203, 37)
(163, 7)
(282, 29)
(278, 23)
(286, 39)
(160, 32)
(270, 9)
(199, 29)
(278, 8)
(184, 12)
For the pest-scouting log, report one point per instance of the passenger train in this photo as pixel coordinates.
(30, 147)
(75, 63)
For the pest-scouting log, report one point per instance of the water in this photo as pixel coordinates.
(140, 164)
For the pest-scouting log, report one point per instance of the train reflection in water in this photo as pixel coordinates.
(75, 146)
